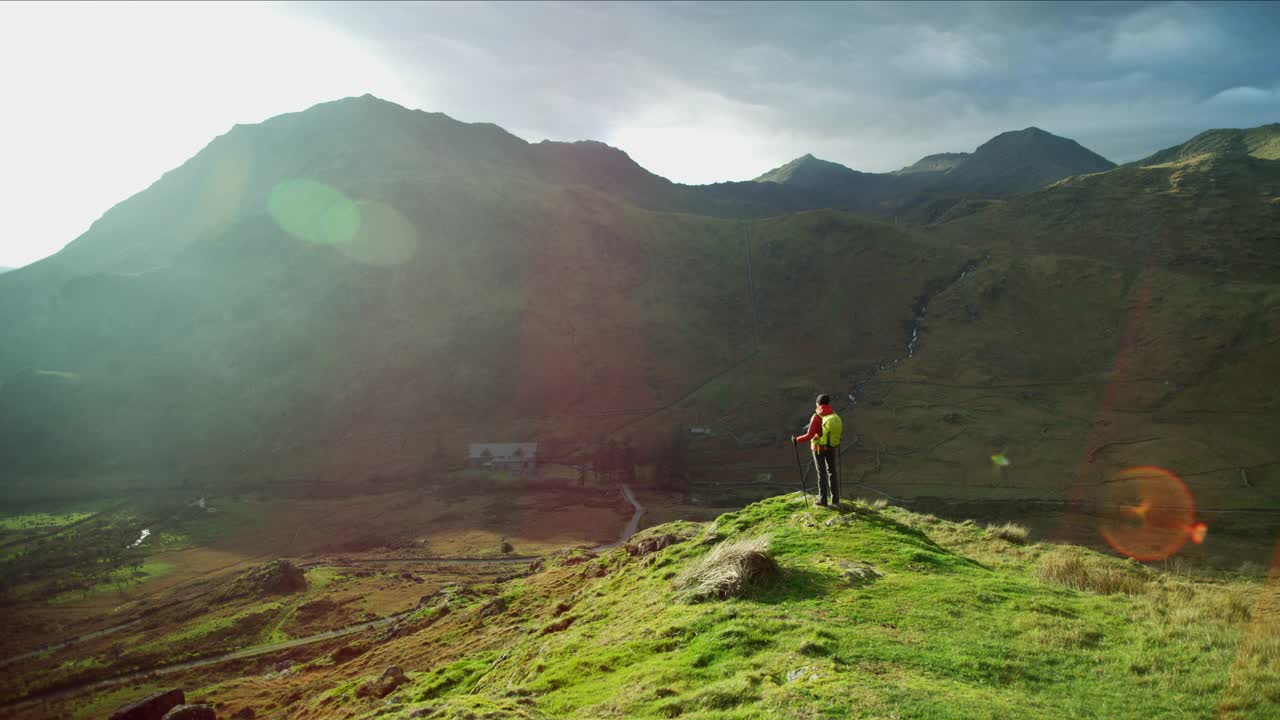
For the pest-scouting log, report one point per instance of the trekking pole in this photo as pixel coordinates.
(801, 470)
(837, 474)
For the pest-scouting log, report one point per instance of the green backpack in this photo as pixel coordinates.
(832, 429)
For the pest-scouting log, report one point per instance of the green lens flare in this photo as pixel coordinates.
(313, 211)
(1000, 460)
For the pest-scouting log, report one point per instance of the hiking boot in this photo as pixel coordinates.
(822, 502)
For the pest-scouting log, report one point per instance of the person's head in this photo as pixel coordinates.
(823, 400)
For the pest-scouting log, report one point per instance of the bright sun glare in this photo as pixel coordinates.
(126, 92)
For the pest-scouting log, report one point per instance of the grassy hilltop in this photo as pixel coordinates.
(871, 612)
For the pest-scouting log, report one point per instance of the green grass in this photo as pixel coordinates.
(959, 624)
(320, 578)
(120, 580)
(213, 625)
(40, 520)
(229, 631)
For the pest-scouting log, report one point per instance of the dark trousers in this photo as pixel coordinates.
(828, 484)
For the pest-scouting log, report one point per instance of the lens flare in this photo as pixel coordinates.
(313, 211)
(1149, 514)
(1000, 460)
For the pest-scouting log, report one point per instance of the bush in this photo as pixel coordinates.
(729, 569)
(1013, 532)
(1073, 571)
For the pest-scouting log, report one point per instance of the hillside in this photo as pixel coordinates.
(1260, 142)
(868, 611)
(378, 275)
(1122, 318)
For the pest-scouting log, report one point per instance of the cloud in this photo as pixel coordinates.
(1244, 95)
(704, 92)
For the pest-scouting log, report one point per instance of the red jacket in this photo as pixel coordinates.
(815, 427)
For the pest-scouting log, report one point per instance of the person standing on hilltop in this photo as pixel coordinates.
(825, 429)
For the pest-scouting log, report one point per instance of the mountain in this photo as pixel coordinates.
(4, 270)
(362, 289)
(1020, 161)
(811, 173)
(360, 274)
(1009, 164)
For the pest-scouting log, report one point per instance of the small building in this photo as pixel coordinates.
(514, 457)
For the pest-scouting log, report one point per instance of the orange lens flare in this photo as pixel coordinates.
(1149, 514)
(1198, 532)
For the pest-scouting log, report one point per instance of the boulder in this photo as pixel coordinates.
(152, 707)
(191, 712)
(279, 577)
(348, 652)
(651, 545)
(496, 606)
(391, 678)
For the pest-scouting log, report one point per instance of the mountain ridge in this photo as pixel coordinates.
(528, 283)
(1033, 156)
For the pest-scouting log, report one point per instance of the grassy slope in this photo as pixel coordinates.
(959, 626)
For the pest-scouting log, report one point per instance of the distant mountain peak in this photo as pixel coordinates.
(937, 162)
(1021, 160)
(807, 170)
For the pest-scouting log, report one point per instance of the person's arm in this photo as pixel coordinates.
(815, 429)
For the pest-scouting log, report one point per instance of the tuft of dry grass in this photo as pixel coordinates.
(1011, 531)
(879, 504)
(1073, 571)
(728, 569)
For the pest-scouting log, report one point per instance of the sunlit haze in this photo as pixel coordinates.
(104, 98)
(108, 97)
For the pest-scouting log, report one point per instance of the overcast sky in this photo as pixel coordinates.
(101, 99)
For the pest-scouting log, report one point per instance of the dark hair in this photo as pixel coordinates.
(824, 399)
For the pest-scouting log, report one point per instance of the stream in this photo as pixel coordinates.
(922, 310)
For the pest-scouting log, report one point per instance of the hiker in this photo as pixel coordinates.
(824, 433)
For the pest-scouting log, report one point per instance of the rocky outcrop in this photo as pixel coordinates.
(153, 707)
(391, 678)
(278, 577)
(652, 544)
